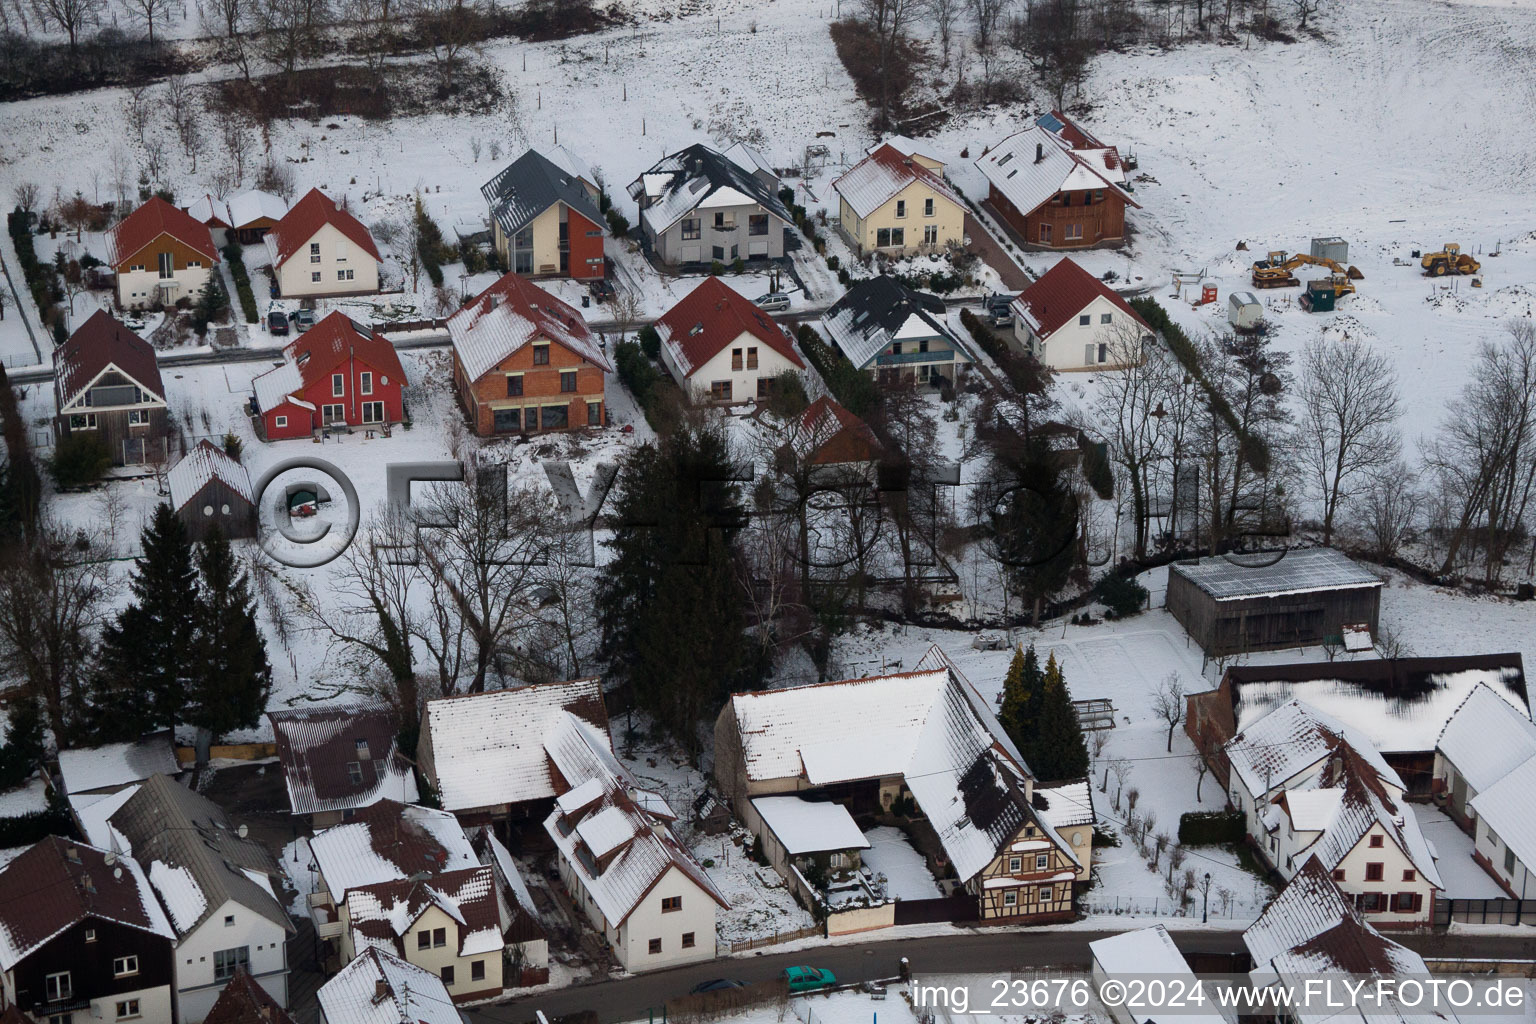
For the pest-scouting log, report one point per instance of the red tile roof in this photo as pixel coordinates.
(711, 317)
(99, 342)
(155, 218)
(319, 350)
(824, 421)
(308, 216)
(1061, 293)
(1075, 134)
(243, 1001)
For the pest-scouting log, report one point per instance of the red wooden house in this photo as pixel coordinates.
(338, 374)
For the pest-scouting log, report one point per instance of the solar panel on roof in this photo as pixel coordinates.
(1049, 123)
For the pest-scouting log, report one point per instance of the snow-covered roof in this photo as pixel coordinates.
(1487, 738)
(1031, 166)
(806, 826)
(117, 764)
(713, 317)
(1289, 740)
(516, 889)
(532, 184)
(514, 312)
(1508, 807)
(750, 160)
(387, 842)
(1142, 952)
(251, 206)
(1300, 571)
(378, 987)
(619, 851)
(929, 726)
(488, 748)
(690, 178)
(380, 914)
(1399, 705)
(1070, 803)
(1311, 927)
(278, 385)
(195, 856)
(909, 147)
(341, 757)
(570, 163)
(884, 174)
(57, 883)
(198, 467)
(94, 810)
(208, 210)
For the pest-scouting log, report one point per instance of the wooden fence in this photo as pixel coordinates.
(777, 937)
(230, 752)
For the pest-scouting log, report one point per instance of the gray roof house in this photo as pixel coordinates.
(218, 888)
(699, 205)
(538, 205)
(896, 333)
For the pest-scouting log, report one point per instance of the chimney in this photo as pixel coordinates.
(1039, 151)
(380, 991)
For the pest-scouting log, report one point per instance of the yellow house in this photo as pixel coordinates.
(894, 203)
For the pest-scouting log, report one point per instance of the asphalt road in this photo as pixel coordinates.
(983, 951)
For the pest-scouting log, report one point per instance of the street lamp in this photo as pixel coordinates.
(1205, 909)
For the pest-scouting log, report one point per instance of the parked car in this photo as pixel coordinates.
(773, 302)
(277, 322)
(997, 309)
(718, 985)
(303, 319)
(807, 979)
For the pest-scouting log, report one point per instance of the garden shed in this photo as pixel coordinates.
(1231, 605)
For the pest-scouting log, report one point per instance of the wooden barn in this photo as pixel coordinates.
(207, 487)
(1305, 597)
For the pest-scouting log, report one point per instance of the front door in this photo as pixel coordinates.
(330, 414)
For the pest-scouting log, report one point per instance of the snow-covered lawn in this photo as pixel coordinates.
(1464, 878)
(906, 875)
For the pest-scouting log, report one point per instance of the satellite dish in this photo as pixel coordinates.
(109, 859)
(117, 873)
(242, 831)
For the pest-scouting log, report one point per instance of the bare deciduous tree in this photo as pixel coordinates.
(26, 194)
(985, 15)
(944, 13)
(1168, 703)
(71, 16)
(136, 109)
(1349, 411)
(450, 28)
(1121, 769)
(1386, 509)
(149, 11)
(888, 20)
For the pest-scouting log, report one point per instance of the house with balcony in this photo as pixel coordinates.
(106, 383)
(545, 219)
(82, 934)
(405, 879)
(318, 248)
(338, 375)
(1053, 194)
(524, 362)
(926, 737)
(721, 348)
(897, 334)
(161, 256)
(697, 206)
(893, 203)
(340, 758)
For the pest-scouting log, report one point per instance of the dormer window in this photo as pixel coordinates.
(355, 772)
(362, 750)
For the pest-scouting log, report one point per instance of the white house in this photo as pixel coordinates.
(218, 888)
(1143, 952)
(1070, 320)
(320, 249)
(720, 347)
(624, 869)
(1485, 777)
(1313, 789)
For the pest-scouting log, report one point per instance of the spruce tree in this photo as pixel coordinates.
(23, 750)
(670, 603)
(1021, 699)
(1058, 751)
(141, 675)
(230, 676)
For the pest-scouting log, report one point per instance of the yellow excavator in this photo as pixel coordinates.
(1450, 260)
(1275, 272)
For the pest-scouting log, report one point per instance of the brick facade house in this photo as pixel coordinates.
(525, 362)
(338, 374)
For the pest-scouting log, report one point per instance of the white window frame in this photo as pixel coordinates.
(127, 1009)
(314, 277)
(365, 382)
(57, 991)
(125, 966)
(338, 385)
(1042, 861)
(281, 421)
(1015, 865)
(314, 252)
(1010, 898)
